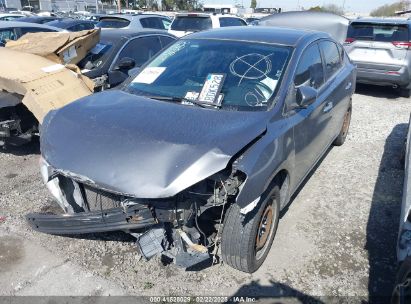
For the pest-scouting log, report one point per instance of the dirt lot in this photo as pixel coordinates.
(337, 237)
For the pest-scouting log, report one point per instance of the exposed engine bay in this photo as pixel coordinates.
(185, 228)
(17, 124)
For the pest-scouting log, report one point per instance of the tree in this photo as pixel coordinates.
(328, 8)
(388, 10)
(253, 4)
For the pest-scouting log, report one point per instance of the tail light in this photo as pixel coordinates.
(402, 44)
(349, 40)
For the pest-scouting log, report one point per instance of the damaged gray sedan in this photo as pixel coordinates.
(198, 154)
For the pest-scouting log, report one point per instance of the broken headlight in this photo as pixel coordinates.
(49, 178)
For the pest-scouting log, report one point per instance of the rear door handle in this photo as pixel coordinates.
(328, 106)
(348, 86)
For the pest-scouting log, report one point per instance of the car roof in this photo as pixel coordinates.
(8, 24)
(382, 20)
(117, 34)
(131, 17)
(258, 34)
(34, 18)
(11, 15)
(62, 23)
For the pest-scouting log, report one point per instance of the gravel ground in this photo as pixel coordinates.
(337, 237)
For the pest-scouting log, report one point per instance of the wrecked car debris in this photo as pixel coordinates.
(212, 137)
(30, 86)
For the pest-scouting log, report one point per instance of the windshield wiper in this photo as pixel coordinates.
(177, 99)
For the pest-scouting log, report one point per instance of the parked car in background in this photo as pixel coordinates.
(381, 49)
(119, 51)
(13, 30)
(221, 127)
(95, 17)
(38, 19)
(73, 25)
(9, 17)
(187, 23)
(252, 20)
(136, 22)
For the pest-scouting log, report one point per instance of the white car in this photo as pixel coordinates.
(184, 24)
(9, 17)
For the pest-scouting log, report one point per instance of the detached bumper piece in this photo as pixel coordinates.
(134, 217)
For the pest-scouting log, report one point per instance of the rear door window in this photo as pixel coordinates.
(141, 49)
(152, 22)
(332, 58)
(228, 21)
(378, 32)
(310, 70)
(113, 23)
(191, 24)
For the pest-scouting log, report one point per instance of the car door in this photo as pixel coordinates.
(140, 50)
(310, 124)
(337, 87)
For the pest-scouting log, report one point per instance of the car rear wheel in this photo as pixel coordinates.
(247, 239)
(339, 141)
(404, 92)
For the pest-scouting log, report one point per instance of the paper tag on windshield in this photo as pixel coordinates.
(191, 95)
(211, 89)
(149, 75)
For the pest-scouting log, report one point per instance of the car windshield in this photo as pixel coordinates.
(228, 74)
(97, 56)
(378, 32)
(191, 24)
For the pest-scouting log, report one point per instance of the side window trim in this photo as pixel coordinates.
(113, 64)
(334, 75)
(317, 43)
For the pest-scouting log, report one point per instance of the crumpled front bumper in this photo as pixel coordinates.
(133, 217)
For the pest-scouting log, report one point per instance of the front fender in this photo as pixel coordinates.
(273, 152)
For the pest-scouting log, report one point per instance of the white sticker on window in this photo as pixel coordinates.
(191, 95)
(149, 75)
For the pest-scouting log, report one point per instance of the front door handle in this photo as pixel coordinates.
(348, 86)
(328, 106)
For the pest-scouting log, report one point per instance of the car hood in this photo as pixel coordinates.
(142, 147)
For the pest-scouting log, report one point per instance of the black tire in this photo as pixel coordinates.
(402, 289)
(339, 141)
(239, 237)
(404, 92)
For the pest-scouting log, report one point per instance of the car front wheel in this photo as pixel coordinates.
(247, 239)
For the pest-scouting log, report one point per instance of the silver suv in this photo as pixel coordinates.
(381, 49)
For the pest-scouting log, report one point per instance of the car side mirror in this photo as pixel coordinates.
(305, 96)
(125, 64)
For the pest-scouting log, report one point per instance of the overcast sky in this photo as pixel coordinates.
(350, 5)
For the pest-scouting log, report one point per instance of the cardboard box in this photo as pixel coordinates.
(60, 47)
(45, 85)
